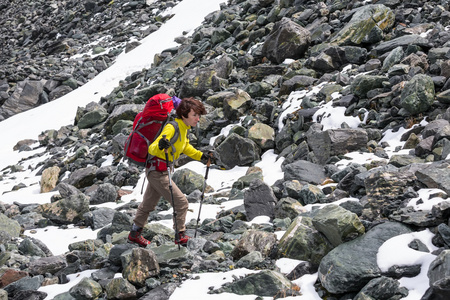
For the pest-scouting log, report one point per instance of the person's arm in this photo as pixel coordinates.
(153, 149)
(190, 151)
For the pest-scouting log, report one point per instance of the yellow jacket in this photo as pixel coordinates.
(181, 145)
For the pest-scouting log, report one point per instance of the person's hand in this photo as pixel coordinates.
(163, 144)
(208, 155)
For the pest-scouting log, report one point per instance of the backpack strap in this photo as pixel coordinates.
(172, 141)
(176, 135)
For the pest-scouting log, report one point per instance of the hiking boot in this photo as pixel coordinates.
(183, 239)
(137, 238)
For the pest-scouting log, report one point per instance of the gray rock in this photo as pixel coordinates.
(250, 260)
(122, 112)
(66, 211)
(383, 189)
(10, 227)
(365, 83)
(305, 172)
(24, 284)
(120, 288)
(106, 192)
(236, 105)
(288, 208)
(382, 288)
(338, 224)
(253, 240)
(92, 118)
(237, 151)
(302, 241)
(162, 292)
(336, 142)
(259, 200)
(188, 181)
(87, 288)
(435, 175)
(367, 22)
(99, 217)
(44, 265)
(418, 94)
(83, 177)
(195, 82)
(120, 222)
(140, 265)
(438, 274)
(169, 254)
(286, 40)
(265, 283)
(350, 266)
(263, 135)
(27, 247)
(25, 97)
(402, 41)
(310, 194)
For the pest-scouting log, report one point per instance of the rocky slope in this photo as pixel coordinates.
(388, 60)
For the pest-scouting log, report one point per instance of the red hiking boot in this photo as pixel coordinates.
(137, 238)
(183, 239)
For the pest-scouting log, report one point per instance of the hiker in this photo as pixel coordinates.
(188, 113)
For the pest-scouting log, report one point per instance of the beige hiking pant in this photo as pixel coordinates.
(158, 186)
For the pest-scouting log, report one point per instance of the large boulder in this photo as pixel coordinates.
(263, 135)
(188, 180)
(350, 266)
(304, 242)
(265, 283)
(338, 224)
(83, 177)
(236, 104)
(10, 227)
(46, 265)
(92, 118)
(120, 288)
(259, 200)
(435, 175)
(286, 40)
(333, 142)
(383, 188)
(49, 179)
(197, 81)
(139, 265)
(26, 96)
(418, 94)
(305, 172)
(237, 151)
(87, 288)
(439, 276)
(66, 211)
(254, 240)
(365, 83)
(366, 26)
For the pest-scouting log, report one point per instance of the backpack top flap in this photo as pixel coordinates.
(158, 107)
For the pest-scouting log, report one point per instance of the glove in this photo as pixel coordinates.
(163, 144)
(210, 154)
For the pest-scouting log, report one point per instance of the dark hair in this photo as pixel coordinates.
(187, 104)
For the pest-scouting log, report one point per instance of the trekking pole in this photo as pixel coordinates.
(177, 235)
(203, 194)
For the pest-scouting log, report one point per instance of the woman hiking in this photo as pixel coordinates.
(188, 114)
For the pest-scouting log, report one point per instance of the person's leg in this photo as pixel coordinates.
(180, 201)
(148, 204)
(149, 200)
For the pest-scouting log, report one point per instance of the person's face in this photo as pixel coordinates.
(192, 119)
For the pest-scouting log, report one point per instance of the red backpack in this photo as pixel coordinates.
(147, 125)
